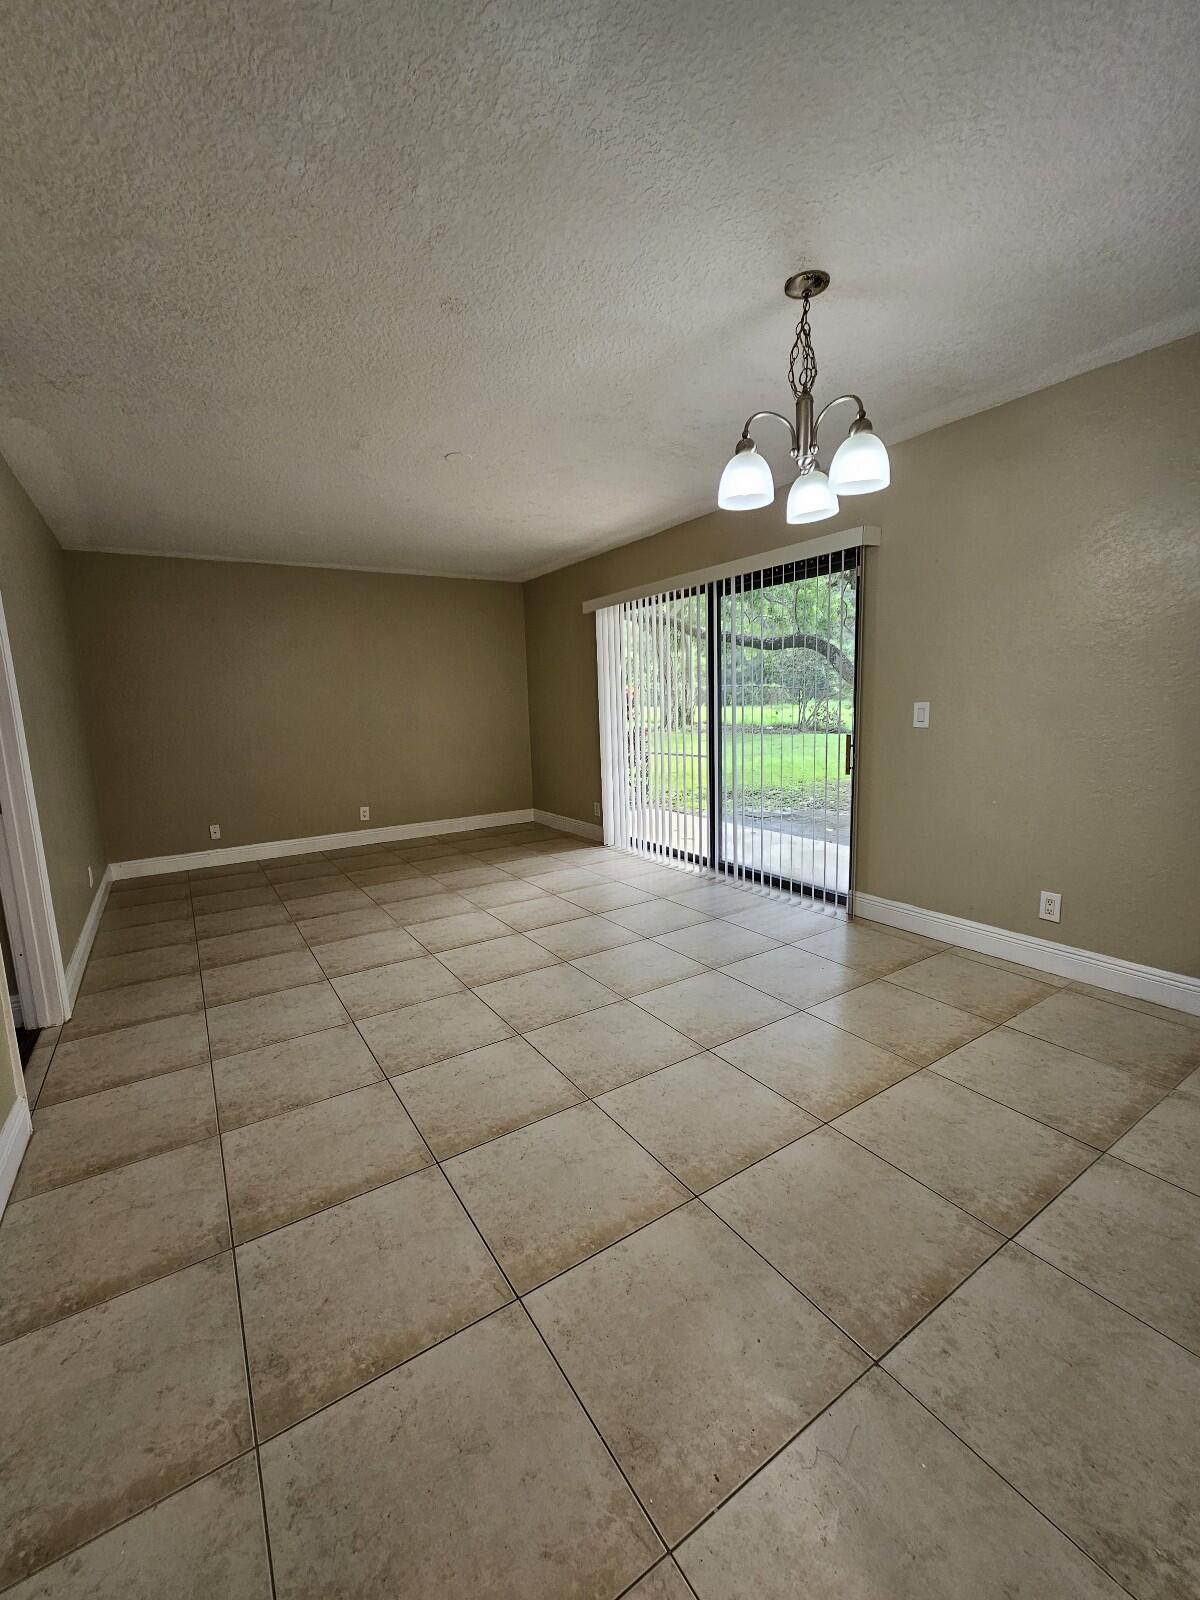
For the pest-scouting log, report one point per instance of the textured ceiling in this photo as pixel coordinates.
(447, 286)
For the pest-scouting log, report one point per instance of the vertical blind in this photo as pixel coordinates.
(653, 673)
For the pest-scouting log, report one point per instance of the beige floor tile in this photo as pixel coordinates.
(525, 915)
(712, 1008)
(121, 941)
(206, 877)
(866, 949)
(506, 1488)
(328, 882)
(376, 869)
(507, 892)
(227, 948)
(81, 1138)
(139, 966)
(494, 959)
(365, 950)
(1088, 1099)
(326, 905)
(136, 893)
(71, 1248)
(204, 1541)
(451, 933)
(399, 892)
(1021, 971)
(782, 922)
(111, 1410)
(269, 1018)
(533, 999)
(1132, 1238)
(693, 1358)
(230, 880)
(907, 1024)
(556, 878)
(665, 1582)
(607, 896)
(292, 871)
(716, 942)
(297, 1072)
(135, 1002)
(1164, 1051)
(38, 1064)
(460, 879)
(874, 1249)
(551, 1194)
(107, 1060)
(344, 925)
(637, 968)
(704, 1120)
(413, 911)
(233, 899)
(338, 1298)
(656, 916)
(214, 924)
(792, 975)
(820, 1067)
(985, 991)
(995, 1163)
(717, 899)
(843, 1512)
(583, 936)
(390, 988)
(121, 917)
(305, 1160)
(243, 980)
(1167, 1141)
(1089, 1414)
(416, 1036)
(1148, 1008)
(603, 1049)
(459, 1103)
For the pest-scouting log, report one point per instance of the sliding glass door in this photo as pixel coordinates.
(727, 722)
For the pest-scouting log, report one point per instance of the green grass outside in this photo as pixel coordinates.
(777, 773)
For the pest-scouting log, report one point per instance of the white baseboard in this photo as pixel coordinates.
(14, 1136)
(585, 830)
(1173, 989)
(191, 861)
(87, 937)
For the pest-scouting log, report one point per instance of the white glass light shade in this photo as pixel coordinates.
(746, 482)
(810, 499)
(860, 465)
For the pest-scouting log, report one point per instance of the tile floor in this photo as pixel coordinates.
(497, 1215)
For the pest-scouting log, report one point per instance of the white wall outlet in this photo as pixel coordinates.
(597, 808)
(91, 879)
(364, 813)
(1050, 906)
(214, 830)
(920, 713)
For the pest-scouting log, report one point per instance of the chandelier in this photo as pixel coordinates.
(860, 463)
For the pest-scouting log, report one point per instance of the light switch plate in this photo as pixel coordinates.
(920, 713)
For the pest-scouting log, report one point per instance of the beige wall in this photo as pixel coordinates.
(1039, 584)
(32, 581)
(277, 700)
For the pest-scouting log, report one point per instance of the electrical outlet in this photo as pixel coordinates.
(597, 808)
(364, 813)
(91, 879)
(920, 713)
(214, 830)
(1050, 906)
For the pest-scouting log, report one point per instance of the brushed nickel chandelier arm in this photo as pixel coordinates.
(846, 399)
(746, 439)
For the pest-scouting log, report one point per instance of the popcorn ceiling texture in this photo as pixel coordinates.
(266, 264)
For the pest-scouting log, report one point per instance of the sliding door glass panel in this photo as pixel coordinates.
(786, 717)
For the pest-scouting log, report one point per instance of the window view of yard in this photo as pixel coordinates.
(787, 707)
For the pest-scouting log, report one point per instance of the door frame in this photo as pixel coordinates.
(24, 876)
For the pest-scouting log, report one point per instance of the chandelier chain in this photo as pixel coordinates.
(802, 353)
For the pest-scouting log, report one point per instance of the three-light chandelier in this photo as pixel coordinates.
(860, 463)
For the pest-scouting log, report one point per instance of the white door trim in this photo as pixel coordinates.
(24, 879)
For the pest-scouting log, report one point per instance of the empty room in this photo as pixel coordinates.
(600, 801)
